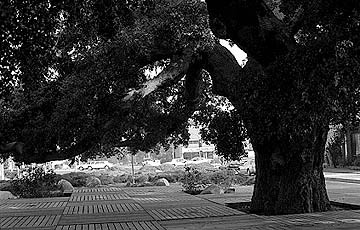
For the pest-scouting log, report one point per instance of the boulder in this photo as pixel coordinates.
(213, 189)
(147, 184)
(65, 186)
(5, 195)
(162, 182)
(93, 182)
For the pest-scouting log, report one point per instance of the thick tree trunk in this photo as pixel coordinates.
(288, 163)
(289, 156)
(290, 183)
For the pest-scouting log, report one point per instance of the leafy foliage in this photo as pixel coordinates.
(227, 132)
(195, 180)
(192, 181)
(335, 147)
(36, 184)
(85, 57)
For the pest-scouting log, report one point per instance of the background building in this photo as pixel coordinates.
(197, 147)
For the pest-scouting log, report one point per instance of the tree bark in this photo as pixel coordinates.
(288, 180)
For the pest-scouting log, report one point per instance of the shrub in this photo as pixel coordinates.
(122, 178)
(148, 169)
(193, 181)
(115, 168)
(37, 183)
(334, 148)
(5, 185)
(106, 179)
(203, 167)
(141, 178)
(167, 167)
(172, 177)
(10, 174)
(224, 178)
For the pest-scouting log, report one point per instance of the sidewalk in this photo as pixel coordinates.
(342, 175)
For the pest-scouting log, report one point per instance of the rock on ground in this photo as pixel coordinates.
(5, 195)
(212, 189)
(65, 186)
(92, 182)
(162, 182)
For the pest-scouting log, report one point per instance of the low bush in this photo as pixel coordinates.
(36, 184)
(141, 178)
(193, 181)
(356, 161)
(226, 178)
(5, 185)
(122, 178)
(148, 169)
(204, 167)
(354, 168)
(105, 179)
(223, 178)
(115, 168)
(167, 167)
(172, 176)
(10, 174)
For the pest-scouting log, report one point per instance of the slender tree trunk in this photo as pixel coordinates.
(330, 160)
(132, 168)
(2, 171)
(289, 181)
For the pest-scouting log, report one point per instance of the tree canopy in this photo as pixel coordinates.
(72, 80)
(78, 76)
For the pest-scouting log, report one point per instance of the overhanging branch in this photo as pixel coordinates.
(227, 75)
(253, 27)
(175, 120)
(171, 74)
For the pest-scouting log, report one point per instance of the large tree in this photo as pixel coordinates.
(73, 81)
(305, 58)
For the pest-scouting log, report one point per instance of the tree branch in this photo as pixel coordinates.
(172, 73)
(227, 75)
(252, 26)
(269, 22)
(175, 120)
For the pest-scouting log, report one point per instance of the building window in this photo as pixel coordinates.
(194, 142)
(190, 155)
(209, 155)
